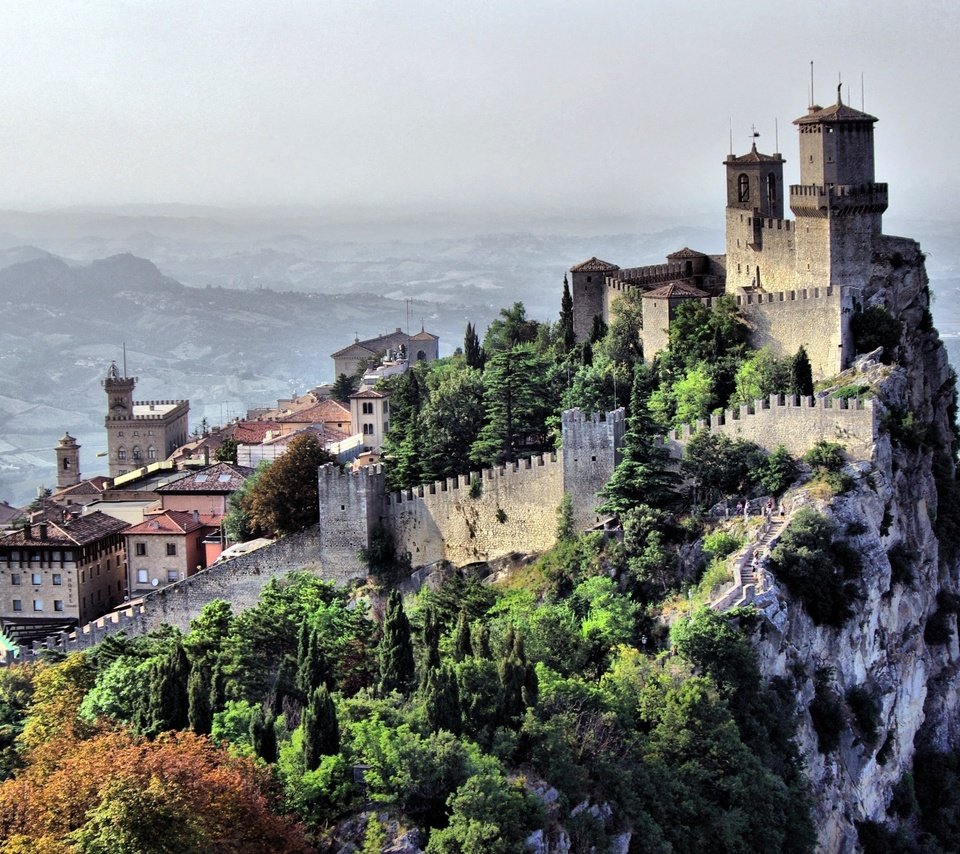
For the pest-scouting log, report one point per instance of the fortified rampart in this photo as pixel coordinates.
(471, 517)
(796, 423)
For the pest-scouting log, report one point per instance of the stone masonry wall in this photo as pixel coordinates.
(797, 424)
(591, 451)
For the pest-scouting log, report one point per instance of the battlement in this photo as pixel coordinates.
(569, 417)
(797, 423)
(767, 297)
(770, 224)
(653, 274)
(839, 199)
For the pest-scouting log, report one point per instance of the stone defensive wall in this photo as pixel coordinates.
(810, 317)
(238, 581)
(513, 509)
(796, 423)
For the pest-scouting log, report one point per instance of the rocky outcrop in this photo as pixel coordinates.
(880, 655)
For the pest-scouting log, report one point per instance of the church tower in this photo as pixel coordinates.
(755, 195)
(838, 204)
(119, 391)
(68, 462)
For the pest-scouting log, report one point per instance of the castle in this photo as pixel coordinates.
(140, 432)
(796, 282)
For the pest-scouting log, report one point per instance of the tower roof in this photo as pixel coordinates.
(67, 441)
(676, 290)
(838, 112)
(686, 252)
(754, 156)
(594, 265)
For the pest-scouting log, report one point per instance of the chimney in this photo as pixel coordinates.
(196, 516)
(206, 455)
(43, 530)
(26, 530)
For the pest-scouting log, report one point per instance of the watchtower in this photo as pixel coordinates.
(754, 199)
(838, 204)
(588, 288)
(68, 462)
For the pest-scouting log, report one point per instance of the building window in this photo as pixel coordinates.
(137, 456)
(17, 605)
(142, 576)
(66, 464)
(68, 555)
(386, 426)
(57, 578)
(172, 576)
(55, 557)
(386, 407)
(367, 407)
(743, 189)
(151, 453)
(15, 578)
(367, 429)
(171, 549)
(771, 190)
(119, 432)
(58, 604)
(36, 579)
(38, 604)
(83, 576)
(140, 549)
(121, 454)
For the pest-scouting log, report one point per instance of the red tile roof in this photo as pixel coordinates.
(594, 265)
(217, 479)
(325, 411)
(253, 432)
(754, 156)
(838, 112)
(76, 532)
(686, 252)
(676, 290)
(168, 522)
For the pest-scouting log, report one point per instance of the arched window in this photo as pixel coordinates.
(66, 464)
(421, 356)
(121, 454)
(771, 189)
(743, 189)
(151, 453)
(136, 453)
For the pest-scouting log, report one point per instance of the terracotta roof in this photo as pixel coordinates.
(92, 486)
(594, 265)
(168, 522)
(253, 432)
(838, 112)
(676, 290)
(369, 393)
(8, 513)
(686, 252)
(326, 410)
(76, 532)
(424, 336)
(754, 156)
(318, 430)
(216, 479)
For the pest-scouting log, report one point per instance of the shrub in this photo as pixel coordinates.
(866, 712)
(903, 803)
(901, 565)
(778, 471)
(816, 568)
(850, 391)
(875, 327)
(476, 487)
(719, 544)
(826, 712)
(825, 455)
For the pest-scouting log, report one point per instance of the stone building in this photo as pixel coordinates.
(140, 432)
(796, 282)
(163, 549)
(51, 573)
(423, 347)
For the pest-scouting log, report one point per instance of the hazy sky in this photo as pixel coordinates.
(550, 106)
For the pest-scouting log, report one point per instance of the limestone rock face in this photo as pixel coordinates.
(881, 648)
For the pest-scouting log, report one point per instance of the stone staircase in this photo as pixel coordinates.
(745, 576)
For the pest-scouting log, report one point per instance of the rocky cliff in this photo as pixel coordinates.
(891, 669)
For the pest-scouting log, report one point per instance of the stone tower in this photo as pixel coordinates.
(838, 205)
(68, 462)
(755, 195)
(588, 289)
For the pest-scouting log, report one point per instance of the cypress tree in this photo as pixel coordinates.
(167, 705)
(285, 684)
(801, 374)
(397, 668)
(312, 667)
(263, 735)
(472, 351)
(463, 647)
(442, 700)
(567, 336)
(321, 731)
(599, 329)
(482, 645)
(218, 698)
(431, 641)
(199, 712)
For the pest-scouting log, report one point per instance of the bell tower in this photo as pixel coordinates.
(68, 462)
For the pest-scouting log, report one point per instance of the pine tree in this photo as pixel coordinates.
(401, 447)
(321, 731)
(568, 337)
(801, 374)
(565, 524)
(285, 684)
(463, 647)
(512, 671)
(199, 711)
(441, 700)
(599, 329)
(397, 669)
(343, 387)
(472, 351)
(263, 734)
(167, 697)
(218, 698)
(482, 645)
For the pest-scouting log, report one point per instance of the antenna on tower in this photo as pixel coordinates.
(776, 135)
(124, 359)
(811, 83)
(731, 136)
(863, 105)
(839, 86)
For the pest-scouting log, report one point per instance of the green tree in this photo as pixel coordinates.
(227, 452)
(801, 374)
(623, 343)
(263, 733)
(719, 466)
(450, 422)
(199, 711)
(431, 640)
(565, 523)
(761, 375)
(463, 647)
(441, 699)
(238, 524)
(402, 445)
(779, 471)
(343, 387)
(510, 329)
(472, 351)
(167, 702)
(284, 497)
(312, 667)
(517, 403)
(321, 731)
(396, 649)
(568, 338)
(875, 327)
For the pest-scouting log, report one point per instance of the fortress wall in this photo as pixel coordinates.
(516, 511)
(786, 320)
(797, 424)
(591, 451)
(350, 508)
(656, 324)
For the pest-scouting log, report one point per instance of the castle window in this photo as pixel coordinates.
(368, 407)
(151, 453)
(121, 454)
(589, 278)
(771, 189)
(36, 579)
(57, 578)
(119, 432)
(38, 604)
(136, 454)
(172, 576)
(743, 189)
(66, 465)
